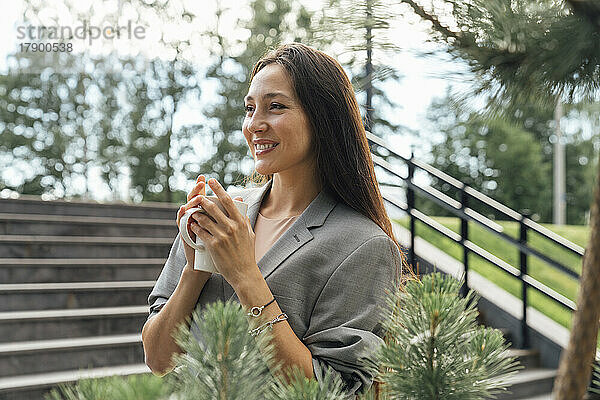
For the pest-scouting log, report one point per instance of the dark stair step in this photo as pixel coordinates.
(66, 225)
(36, 386)
(36, 270)
(28, 246)
(16, 326)
(528, 358)
(530, 383)
(47, 296)
(34, 205)
(67, 354)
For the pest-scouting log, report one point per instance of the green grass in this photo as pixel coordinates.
(502, 249)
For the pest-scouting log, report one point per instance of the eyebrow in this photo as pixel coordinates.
(269, 95)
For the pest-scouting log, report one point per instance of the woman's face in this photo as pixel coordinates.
(274, 115)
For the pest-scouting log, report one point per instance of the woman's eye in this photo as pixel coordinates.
(277, 106)
(248, 108)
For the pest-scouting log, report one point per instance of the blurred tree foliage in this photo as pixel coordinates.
(111, 112)
(62, 114)
(510, 158)
(362, 29)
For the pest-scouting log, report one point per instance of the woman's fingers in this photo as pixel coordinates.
(198, 189)
(203, 221)
(225, 200)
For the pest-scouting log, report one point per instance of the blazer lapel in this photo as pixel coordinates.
(296, 236)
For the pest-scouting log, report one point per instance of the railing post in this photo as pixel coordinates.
(464, 234)
(410, 201)
(524, 285)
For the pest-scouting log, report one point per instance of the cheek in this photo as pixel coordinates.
(247, 134)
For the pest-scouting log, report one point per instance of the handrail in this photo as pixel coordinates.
(463, 209)
(469, 214)
(488, 201)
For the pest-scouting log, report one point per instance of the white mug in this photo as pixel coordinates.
(202, 259)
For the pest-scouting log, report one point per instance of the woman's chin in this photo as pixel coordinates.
(263, 169)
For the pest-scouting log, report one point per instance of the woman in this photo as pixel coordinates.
(316, 246)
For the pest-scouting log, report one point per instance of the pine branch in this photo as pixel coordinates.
(420, 11)
(227, 363)
(587, 9)
(437, 350)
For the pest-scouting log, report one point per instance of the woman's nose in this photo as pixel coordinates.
(257, 122)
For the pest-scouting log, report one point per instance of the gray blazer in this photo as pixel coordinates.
(328, 272)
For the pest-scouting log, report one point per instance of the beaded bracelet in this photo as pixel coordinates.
(257, 331)
(256, 311)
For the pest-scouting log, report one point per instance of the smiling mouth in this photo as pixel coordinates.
(261, 148)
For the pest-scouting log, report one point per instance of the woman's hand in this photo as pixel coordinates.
(228, 236)
(192, 201)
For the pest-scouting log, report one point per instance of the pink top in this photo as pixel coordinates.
(267, 232)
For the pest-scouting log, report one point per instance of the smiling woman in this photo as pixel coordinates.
(316, 252)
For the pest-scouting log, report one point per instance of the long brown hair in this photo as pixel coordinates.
(344, 165)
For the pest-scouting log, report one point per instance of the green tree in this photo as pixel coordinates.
(536, 50)
(495, 156)
(436, 348)
(118, 117)
(155, 90)
(362, 29)
(48, 126)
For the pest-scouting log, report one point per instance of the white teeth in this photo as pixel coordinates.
(264, 146)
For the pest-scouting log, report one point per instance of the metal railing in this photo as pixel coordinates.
(462, 209)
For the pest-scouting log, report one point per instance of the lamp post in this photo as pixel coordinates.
(560, 199)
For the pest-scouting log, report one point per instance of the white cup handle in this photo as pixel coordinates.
(183, 228)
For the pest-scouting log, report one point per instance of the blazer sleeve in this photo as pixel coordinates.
(345, 326)
(169, 277)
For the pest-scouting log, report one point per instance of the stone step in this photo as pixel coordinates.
(34, 205)
(28, 246)
(528, 358)
(36, 386)
(42, 270)
(67, 354)
(530, 383)
(66, 225)
(16, 326)
(48, 296)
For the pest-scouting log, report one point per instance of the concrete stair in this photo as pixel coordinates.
(532, 380)
(74, 282)
(36, 270)
(38, 246)
(16, 326)
(67, 354)
(65, 225)
(48, 296)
